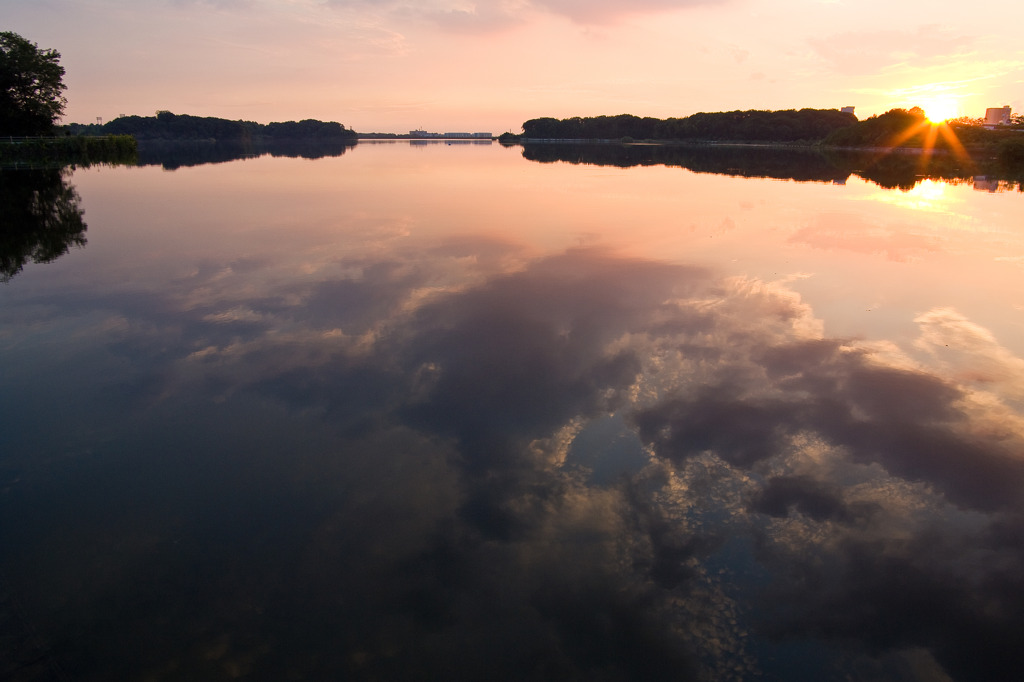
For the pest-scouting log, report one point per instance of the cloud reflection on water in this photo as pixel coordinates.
(410, 498)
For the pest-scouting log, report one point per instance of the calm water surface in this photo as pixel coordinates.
(445, 412)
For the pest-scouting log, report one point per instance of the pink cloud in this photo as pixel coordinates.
(490, 15)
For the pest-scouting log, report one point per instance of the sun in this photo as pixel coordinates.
(932, 127)
(941, 109)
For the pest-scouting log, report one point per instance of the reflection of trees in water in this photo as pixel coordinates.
(756, 162)
(902, 170)
(40, 219)
(888, 169)
(175, 154)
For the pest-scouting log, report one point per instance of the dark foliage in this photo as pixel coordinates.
(168, 126)
(805, 125)
(896, 127)
(1011, 153)
(31, 87)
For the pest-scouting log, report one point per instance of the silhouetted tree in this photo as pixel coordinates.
(905, 127)
(31, 87)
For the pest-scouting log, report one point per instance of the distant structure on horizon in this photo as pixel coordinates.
(997, 117)
(985, 184)
(848, 110)
(424, 135)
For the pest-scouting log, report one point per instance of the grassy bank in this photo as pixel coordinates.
(79, 150)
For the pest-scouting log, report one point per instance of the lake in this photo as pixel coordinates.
(461, 411)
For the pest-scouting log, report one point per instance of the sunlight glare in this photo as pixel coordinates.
(941, 109)
(931, 196)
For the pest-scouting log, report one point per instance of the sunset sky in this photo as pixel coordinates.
(459, 65)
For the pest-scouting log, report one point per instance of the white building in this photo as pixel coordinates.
(997, 117)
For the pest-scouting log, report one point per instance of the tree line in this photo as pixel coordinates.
(905, 127)
(166, 125)
(791, 125)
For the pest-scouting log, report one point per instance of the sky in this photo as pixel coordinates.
(458, 65)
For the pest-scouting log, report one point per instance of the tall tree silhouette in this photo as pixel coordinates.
(31, 87)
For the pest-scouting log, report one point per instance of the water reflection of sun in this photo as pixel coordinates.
(932, 196)
(929, 195)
